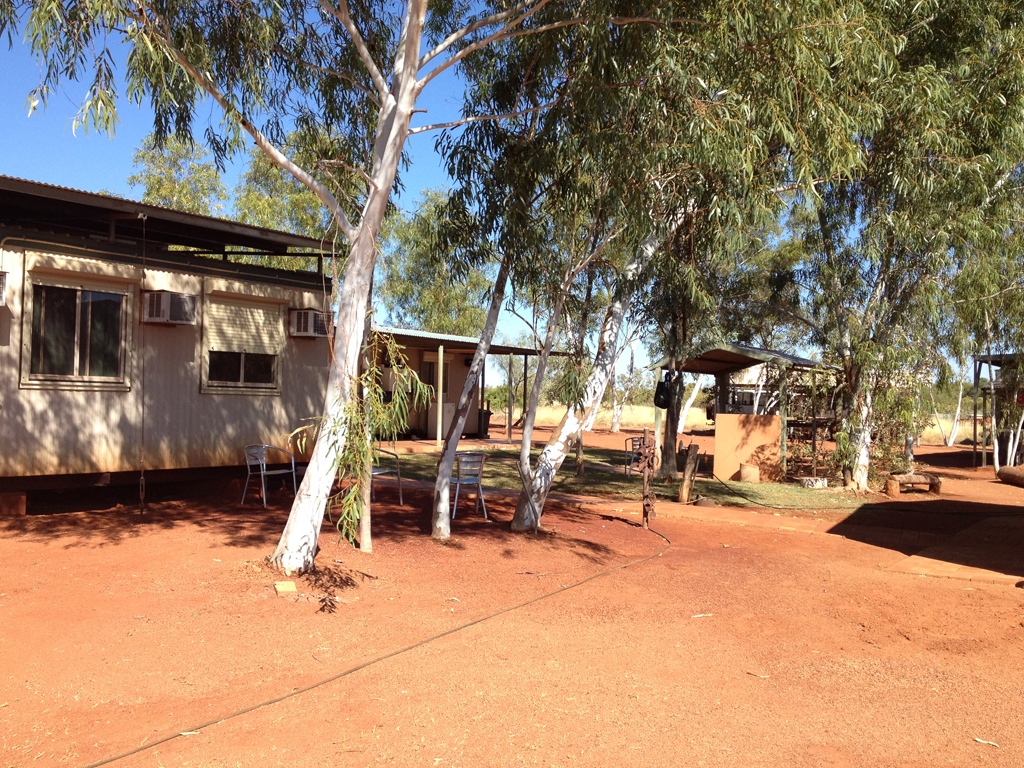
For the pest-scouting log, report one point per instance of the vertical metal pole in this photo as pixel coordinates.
(525, 379)
(783, 406)
(974, 442)
(508, 425)
(480, 408)
(440, 396)
(814, 424)
(659, 436)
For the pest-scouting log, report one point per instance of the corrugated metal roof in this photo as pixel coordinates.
(64, 210)
(428, 340)
(729, 358)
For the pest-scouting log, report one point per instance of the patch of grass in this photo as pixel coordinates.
(605, 478)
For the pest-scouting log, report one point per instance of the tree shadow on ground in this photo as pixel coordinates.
(96, 517)
(979, 535)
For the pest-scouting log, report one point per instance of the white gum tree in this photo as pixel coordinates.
(347, 77)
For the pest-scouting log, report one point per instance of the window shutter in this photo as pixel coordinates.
(236, 326)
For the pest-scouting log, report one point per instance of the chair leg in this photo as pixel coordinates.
(456, 506)
(245, 488)
(263, 484)
(399, 473)
(480, 496)
(373, 490)
(295, 485)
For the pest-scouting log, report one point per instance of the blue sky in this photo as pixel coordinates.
(44, 147)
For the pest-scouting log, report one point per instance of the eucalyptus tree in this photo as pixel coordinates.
(946, 138)
(728, 97)
(177, 174)
(347, 77)
(421, 282)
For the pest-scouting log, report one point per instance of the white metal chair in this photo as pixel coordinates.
(634, 452)
(256, 461)
(378, 470)
(469, 470)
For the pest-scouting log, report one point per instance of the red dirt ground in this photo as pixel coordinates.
(736, 646)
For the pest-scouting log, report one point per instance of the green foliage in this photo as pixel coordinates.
(175, 174)
(267, 196)
(370, 417)
(422, 286)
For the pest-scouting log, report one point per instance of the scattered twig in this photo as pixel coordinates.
(982, 741)
(701, 615)
(754, 674)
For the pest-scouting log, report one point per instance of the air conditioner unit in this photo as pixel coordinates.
(308, 323)
(3, 289)
(168, 307)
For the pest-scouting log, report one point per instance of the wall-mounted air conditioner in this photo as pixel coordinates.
(307, 323)
(3, 289)
(168, 307)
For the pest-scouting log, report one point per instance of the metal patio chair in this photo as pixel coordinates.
(378, 470)
(256, 461)
(469, 470)
(634, 452)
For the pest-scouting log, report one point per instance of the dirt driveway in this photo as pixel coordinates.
(732, 646)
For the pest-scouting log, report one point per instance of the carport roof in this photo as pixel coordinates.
(426, 340)
(729, 358)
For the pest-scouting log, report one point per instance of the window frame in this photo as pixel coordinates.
(208, 387)
(121, 382)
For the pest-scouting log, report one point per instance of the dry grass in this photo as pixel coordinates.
(932, 436)
(633, 417)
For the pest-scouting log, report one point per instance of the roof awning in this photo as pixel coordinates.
(729, 358)
(426, 340)
(49, 208)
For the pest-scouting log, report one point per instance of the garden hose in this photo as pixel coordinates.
(384, 657)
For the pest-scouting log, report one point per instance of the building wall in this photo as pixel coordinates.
(747, 439)
(55, 429)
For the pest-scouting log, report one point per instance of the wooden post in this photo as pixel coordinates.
(689, 473)
(440, 396)
(647, 467)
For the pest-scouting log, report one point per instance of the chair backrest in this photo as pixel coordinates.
(469, 464)
(256, 455)
(634, 444)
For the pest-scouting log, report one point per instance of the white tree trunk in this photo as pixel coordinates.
(938, 421)
(441, 527)
(697, 385)
(555, 451)
(616, 409)
(863, 444)
(298, 544)
(760, 389)
(955, 428)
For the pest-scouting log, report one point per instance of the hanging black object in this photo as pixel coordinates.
(663, 392)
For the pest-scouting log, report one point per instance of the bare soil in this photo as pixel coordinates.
(731, 646)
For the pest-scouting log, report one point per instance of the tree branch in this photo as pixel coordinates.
(341, 14)
(469, 29)
(481, 118)
(333, 72)
(162, 34)
(501, 34)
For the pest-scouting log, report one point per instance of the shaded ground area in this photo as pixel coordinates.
(740, 645)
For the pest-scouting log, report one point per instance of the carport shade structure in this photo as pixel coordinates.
(724, 359)
(441, 342)
(999, 360)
